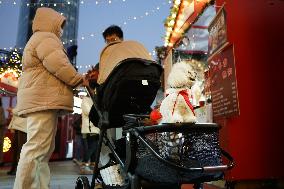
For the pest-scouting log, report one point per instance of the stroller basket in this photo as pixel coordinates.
(178, 153)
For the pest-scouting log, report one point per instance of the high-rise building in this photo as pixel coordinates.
(68, 8)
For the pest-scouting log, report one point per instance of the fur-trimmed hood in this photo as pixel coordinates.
(48, 20)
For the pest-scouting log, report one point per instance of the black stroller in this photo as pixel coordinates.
(152, 158)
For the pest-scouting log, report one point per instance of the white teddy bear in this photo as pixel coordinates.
(177, 105)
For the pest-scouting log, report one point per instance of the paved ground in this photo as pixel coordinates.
(64, 175)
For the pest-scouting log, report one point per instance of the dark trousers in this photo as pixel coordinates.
(90, 145)
(79, 149)
(19, 140)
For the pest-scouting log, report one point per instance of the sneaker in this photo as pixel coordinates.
(85, 170)
(98, 186)
(77, 162)
(92, 165)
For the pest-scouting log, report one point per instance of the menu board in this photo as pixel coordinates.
(217, 32)
(224, 92)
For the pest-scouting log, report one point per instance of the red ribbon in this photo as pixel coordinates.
(184, 94)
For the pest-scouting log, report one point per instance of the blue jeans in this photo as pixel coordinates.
(90, 143)
(78, 147)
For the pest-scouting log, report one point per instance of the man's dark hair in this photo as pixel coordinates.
(113, 29)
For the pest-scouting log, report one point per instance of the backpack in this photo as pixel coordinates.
(94, 116)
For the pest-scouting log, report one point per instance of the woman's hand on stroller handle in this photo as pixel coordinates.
(85, 82)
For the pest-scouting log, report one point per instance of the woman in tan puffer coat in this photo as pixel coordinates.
(44, 91)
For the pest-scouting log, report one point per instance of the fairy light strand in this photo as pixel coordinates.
(91, 35)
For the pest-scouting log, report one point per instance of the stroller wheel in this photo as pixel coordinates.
(82, 182)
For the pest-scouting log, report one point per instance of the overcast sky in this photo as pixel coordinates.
(141, 20)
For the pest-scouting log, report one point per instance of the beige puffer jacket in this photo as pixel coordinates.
(48, 77)
(116, 52)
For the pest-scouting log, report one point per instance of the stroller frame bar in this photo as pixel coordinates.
(206, 169)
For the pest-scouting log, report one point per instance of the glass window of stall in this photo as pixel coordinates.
(193, 49)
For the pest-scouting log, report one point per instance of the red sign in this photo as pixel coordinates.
(224, 91)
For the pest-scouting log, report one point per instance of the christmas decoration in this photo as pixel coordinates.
(9, 77)
(161, 53)
(155, 116)
(177, 19)
(11, 63)
(7, 144)
(10, 70)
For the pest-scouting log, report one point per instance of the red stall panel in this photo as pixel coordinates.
(255, 138)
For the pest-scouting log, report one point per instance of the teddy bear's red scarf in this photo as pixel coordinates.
(184, 94)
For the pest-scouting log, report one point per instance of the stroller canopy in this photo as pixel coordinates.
(131, 87)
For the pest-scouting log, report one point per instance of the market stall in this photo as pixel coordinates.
(187, 41)
(10, 69)
(233, 46)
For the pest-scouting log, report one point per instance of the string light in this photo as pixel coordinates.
(175, 22)
(44, 4)
(10, 67)
(170, 22)
(66, 2)
(92, 35)
(84, 37)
